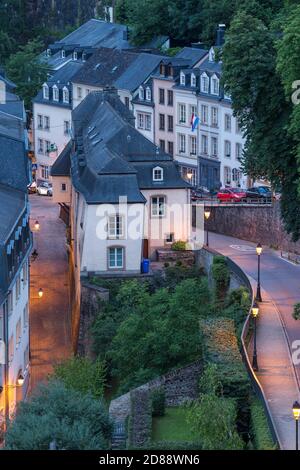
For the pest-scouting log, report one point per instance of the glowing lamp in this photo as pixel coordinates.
(255, 310)
(41, 293)
(37, 225)
(296, 410)
(259, 249)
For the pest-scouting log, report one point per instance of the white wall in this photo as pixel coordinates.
(140, 108)
(189, 99)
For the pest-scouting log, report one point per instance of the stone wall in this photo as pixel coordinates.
(92, 298)
(187, 257)
(140, 422)
(255, 223)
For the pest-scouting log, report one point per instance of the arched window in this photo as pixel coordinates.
(148, 94)
(66, 95)
(141, 93)
(204, 83)
(193, 80)
(214, 85)
(55, 93)
(45, 91)
(182, 78)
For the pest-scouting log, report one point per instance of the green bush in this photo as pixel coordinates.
(158, 402)
(180, 245)
(296, 311)
(221, 277)
(262, 438)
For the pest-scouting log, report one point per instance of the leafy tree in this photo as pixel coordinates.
(82, 374)
(54, 412)
(25, 69)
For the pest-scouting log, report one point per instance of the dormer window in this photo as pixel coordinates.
(204, 83)
(66, 95)
(55, 93)
(148, 94)
(141, 93)
(182, 78)
(83, 57)
(211, 56)
(48, 52)
(193, 80)
(75, 55)
(158, 174)
(45, 91)
(63, 54)
(215, 85)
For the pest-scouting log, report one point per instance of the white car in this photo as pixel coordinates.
(44, 189)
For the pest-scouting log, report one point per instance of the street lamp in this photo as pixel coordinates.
(37, 225)
(258, 293)
(207, 216)
(255, 311)
(296, 413)
(41, 292)
(189, 175)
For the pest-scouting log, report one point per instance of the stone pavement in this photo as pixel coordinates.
(50, 332)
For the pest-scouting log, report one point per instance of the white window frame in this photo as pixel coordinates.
(63, 54)
(238, 150)
(40, 121)
(214, 116)
(66, 95)
(75, 55)
(204, 83)
(45, 91)
(204, 114)
(204, 144)
(227, 122)
(158, 206)
(215, 85)
(182, 113)
(181, 143)
(141, 93)
(116, 226)
(193, 145)
(193, 80)
(182, 79)
(47, 123)
(55, 93)
(227, 149)
(115, 264)
(158, 174)
(148, 94)
(214, 146)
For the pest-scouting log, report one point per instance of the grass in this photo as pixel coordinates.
(171, 427)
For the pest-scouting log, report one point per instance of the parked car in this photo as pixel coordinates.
(44, 189)
(32, 187)
(259, 192)
(231, 195)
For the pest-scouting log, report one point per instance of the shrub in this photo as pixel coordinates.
(180, 245)
(158, 402)
(221, 277)
(262, 437)
(296, 311)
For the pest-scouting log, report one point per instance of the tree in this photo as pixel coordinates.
(54, 412)
(26, 70)
(82, 374)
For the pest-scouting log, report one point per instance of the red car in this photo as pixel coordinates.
(231, 195)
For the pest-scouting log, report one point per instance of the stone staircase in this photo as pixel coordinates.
(118, 440)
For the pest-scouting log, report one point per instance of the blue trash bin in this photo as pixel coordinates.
(145, 266)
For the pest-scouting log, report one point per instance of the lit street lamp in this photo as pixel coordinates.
(258, 293)
(41, 293)
(296, 413)
(207, 216)
(37, 225)
(255, 311)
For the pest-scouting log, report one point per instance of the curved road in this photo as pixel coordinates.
(279, 277)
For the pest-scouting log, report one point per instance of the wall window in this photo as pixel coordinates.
(63, 187)
(193, 80)
(182, 113)
(148, 94)
(75, 55)
(204, 83)
(170, 97)
(161, 96)
(193, 145)
(182, 143)
(227, 175)
(40, 121)
(11, 348)
(46, 123)
(162, 144)
(140, 120)
(227, 122)
(63, 54)
(204, 144)
(158, 174)
(204, 113)
(141, 93)
(170, 148)
(238, 151)
(45, 171)
(215, 86)
(116, 258)
(116, 226)
(169, 238)
(162, 122)
(214, 146)
(40, 146)
(79, 92)
(144, 121)
(18, 332)
(193, 110)
(66, 96)
(47, 146)
(214, 116)
(227, 148)
(67, 127)
(182, 78)
(55, 93)
(45, 91)
(186, 173)
(158, 206)
(170, 124)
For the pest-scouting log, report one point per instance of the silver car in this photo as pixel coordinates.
(44, 189)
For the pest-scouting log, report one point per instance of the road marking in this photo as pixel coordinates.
(245, 248)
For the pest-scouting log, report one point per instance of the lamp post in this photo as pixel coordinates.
(41, 293)
(296, 413)
(258, 293)
(207, 216)
(255, 311)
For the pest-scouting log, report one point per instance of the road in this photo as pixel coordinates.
(50, 338)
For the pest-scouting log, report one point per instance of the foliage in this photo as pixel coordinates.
(173, 426)
(296, 311)
(179, 245)
(55, 412)
(82, 374)
(26, 71)
(221, 276)
(259, 426)
(158, 402)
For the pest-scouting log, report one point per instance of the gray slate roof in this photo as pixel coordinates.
(110, 157)
(192, 54)
(11, 207)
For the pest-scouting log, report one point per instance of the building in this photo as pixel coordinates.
(126, 196)
(15, 247)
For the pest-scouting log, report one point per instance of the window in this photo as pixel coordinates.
(79, 92)
(193, 110)
(193, 80)
(158, 174)
(214, 116)
(238, 128)
(75, 55)
(144, 121)
(116, 258)
(204, 113)
(66, 97)
(63, 187)
(170, 124)
(40, 146)
(158, 206)
(170, 148)
(162, 144)
(193, 145)
(186, 173)
(169, 238)
(161, 96)
(45, 171)
(46, 123)
(116, 226)
(182, 78)
(11, 348)
(45, 91)
(227, 122)
(182, 143)
(215, 86)
(238, 151)
(40, 121)
(18, 332)
(204, 83)
(67, 127)
(141, 93)
(47, 146)
(55, 93)
(127, 101)
(214, 146)
(182, 113)
(204, 144)
(148, 94)
(162, 122)
(148, 122)
(227, 174)
(63, 54)
(227, 148)
(236, 175)
(18, 288)
(170, 97)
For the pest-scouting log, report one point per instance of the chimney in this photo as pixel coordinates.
(220, 35)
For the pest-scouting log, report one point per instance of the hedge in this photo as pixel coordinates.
(262, 437)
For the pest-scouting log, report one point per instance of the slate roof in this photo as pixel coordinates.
(13, 105)
(192, 54)
(110, 157)
(63, 163)
(12, 205)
